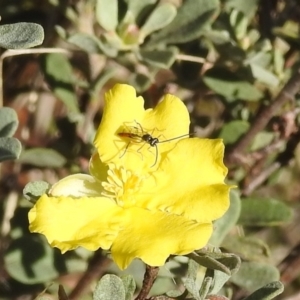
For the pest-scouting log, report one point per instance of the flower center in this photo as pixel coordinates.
(121, 185)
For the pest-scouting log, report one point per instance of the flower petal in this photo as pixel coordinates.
(190, 182)
(118, 111)
(154, 236)
(69, 223)
(77, 185)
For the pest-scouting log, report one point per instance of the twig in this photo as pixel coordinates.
(149, 278)
(96, 268)
(287, 93)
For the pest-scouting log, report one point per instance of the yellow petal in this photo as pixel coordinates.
(121, 107)
(69, 223)
(77, 185)
(154, 236)
(121, 137)
(190, 182)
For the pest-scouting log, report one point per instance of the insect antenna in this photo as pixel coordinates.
(175, 138)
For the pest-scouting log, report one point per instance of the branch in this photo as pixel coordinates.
(287, 93)
(149, 278)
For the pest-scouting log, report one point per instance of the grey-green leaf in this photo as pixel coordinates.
(137, 7)
(233, 130)
(110, 287)
(8, 122)
(10, 148)
(86, 42)
(232, 88)
(162, 15)
(59, 74)
(21, 35)
(269, 291)
(264, 212)
(33, 190)
(129, 285)
(42, 157)
(254, 275)
(107, 14)
(191, 19)
(191, 283)
(159, 58)
(223, 225)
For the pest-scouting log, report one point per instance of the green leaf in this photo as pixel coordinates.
(109, 287)
(249, 248)
(263, 75)
(30, 261)
(86, 42)
(190, 282)
(140, 81)
(159, 58)
(269, 291)
(33, 190)
(42, 157)
(220, 278)
(233, 130)
(206, 284)
(223, 225)
(210, 263)
(137, 7)
(230, 86)
(10, 148)
(264, 212)
(101, 80)
(107, 14)
(247, 7)
(162, 15)
(262, 139)
(191, 19)
(59, 74)
(8, 122)
(129, 285)
(254, 275)
(21, 35)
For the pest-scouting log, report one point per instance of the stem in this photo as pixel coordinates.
(149, 278)
(287, 93)
(96, 268)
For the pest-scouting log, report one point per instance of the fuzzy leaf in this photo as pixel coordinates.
(191, 283)
(229, 219)
(129, 285)
(21, 35)
(8, 122)
(86, 42)
(159, 58)
(254, 275)
(109, 287)
(59, 74)
(42, 157)
(10, 148)
(233, 130)
(162, 15)
(230, 86)
(264, 212)
(107, 14)
(137, 7)
(269, 291)
(33, 190)
(191, 19)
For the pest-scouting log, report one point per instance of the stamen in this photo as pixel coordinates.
(121, 185)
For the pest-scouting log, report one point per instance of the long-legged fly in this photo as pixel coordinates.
(138, 135)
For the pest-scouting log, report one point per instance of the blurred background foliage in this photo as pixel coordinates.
(228, 60)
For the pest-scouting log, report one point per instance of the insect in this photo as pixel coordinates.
(138, 135)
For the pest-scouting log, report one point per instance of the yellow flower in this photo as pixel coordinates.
(153, 191)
